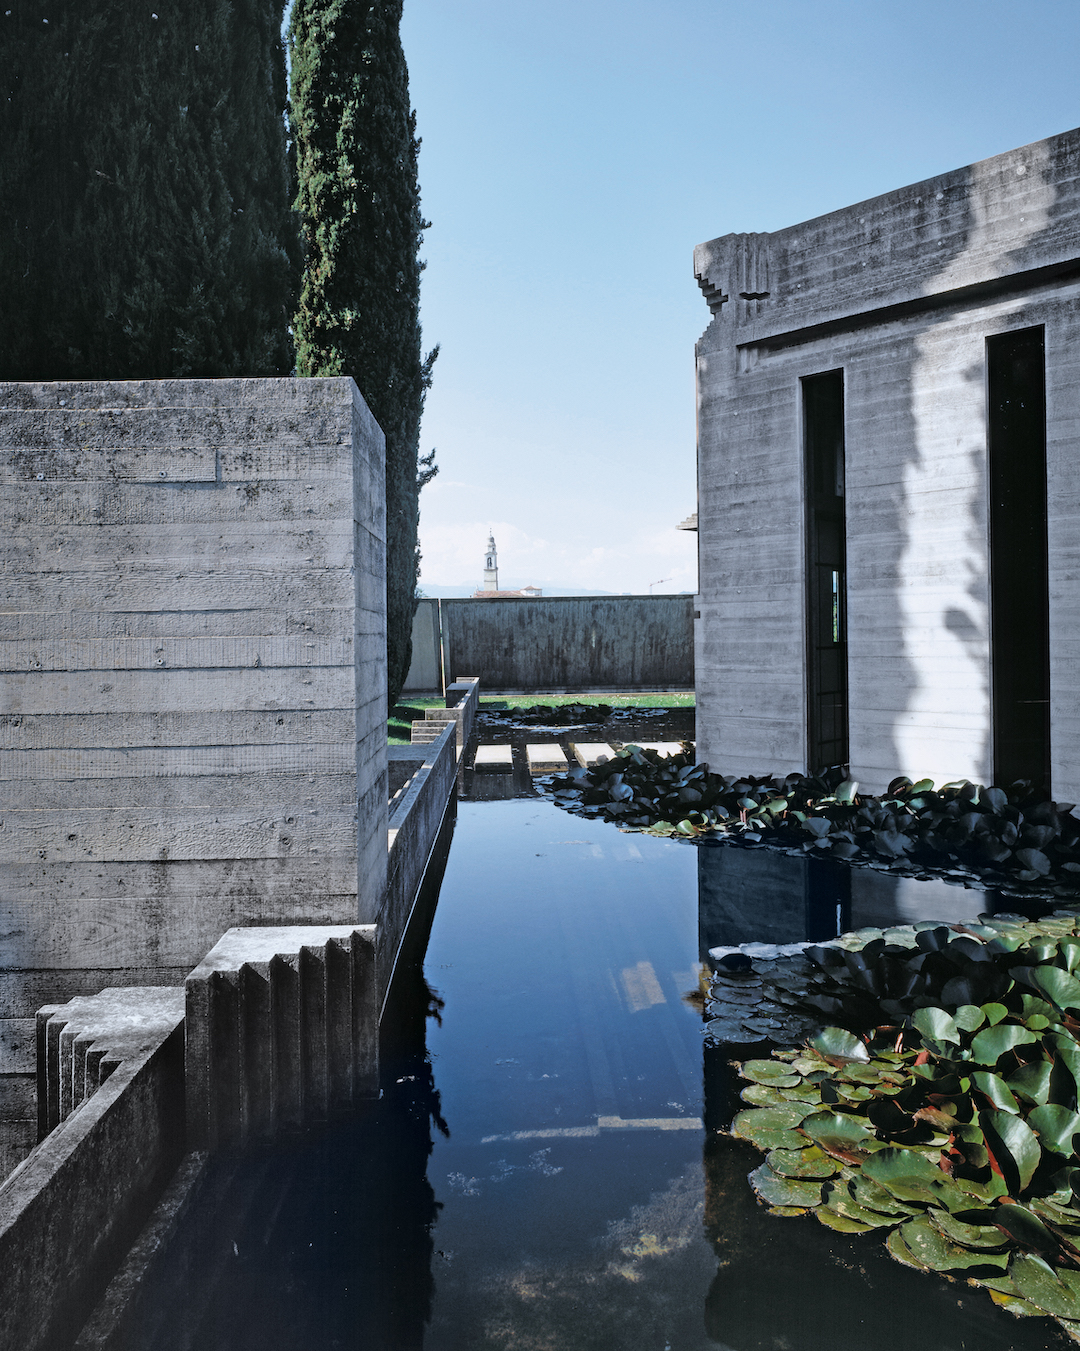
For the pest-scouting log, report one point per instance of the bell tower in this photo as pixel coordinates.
(491, 566)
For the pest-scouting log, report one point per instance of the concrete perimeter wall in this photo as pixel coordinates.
(559, 643)
(192, 675)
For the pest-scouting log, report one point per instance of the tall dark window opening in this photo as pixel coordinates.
(827, 698)
(1019, 587)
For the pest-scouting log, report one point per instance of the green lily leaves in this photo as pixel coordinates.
(1010, 836)
(952, 1134)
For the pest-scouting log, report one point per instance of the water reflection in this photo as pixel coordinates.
(762, 895)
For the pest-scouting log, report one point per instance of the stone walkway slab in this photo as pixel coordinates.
(494, 757)
(544, 756)
(591, 752)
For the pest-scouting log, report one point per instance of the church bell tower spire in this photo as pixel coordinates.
(491, 566)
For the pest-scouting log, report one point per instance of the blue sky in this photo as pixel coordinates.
(575, 151)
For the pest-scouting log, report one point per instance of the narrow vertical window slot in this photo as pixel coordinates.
(1019, 581)
(826, 545)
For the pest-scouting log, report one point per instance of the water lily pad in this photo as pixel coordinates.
(936, 1025)
(1032, 1082)
(1014, 1146)
(784, 1191)
(968, 1017)
(1055, 1292)
(900, 1251)
(996, 1089)
(766, 1095)
(969, 1235)
(929, 1246)
(840, 1134)
(810, 1162)
(1055, 1126)
(1061, 988)
(989, 1045)
(768, 1128)
(842, 1223)
(1025, 1229)
(837, 1044)
(773, 1072)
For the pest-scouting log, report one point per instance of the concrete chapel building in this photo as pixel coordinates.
(889, 483)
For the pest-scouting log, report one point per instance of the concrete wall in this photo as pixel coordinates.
(425, 669)
(901, 293)
(192, 646)
(569, 643)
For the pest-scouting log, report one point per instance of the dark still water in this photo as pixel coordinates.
(540, 1177)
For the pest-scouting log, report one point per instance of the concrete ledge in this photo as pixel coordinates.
(73, 1206)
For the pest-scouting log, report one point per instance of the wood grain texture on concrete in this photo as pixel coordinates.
(901, 294)
(192, 673)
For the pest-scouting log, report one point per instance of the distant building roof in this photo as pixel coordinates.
(690, 523)
(526, 593)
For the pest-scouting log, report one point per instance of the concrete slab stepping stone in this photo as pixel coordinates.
(591, 752)
(545, 755)
(490, 758)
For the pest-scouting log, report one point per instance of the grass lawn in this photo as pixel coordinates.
(399, 727)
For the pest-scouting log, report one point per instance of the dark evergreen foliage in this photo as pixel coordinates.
(145, 226)
(359, 202)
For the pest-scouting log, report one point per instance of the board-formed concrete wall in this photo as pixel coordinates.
(425, 668)
(901, 293)
(568, 643)
(192, 647)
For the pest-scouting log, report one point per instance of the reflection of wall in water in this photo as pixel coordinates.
(765, 896)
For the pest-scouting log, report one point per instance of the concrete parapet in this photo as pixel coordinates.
(415, 823)
(81, 1043)
(281, 1028)
(70, 1210)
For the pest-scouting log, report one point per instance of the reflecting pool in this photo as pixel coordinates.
(547, 1170)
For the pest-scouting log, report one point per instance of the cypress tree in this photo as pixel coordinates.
(145, 225)
(359, 202)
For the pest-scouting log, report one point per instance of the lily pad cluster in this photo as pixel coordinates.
(953, 1133)
(556, 715)
(999, 836)
(872, 975)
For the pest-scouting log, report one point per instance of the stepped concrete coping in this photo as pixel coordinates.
(72, 1208)
(257, 947)
(81, 1043)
